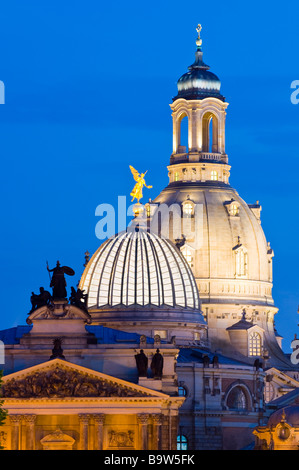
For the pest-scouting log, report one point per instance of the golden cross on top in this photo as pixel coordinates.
(198, 41)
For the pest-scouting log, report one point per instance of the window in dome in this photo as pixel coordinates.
(234, 210)
(214, 175)
(176, 176)
(188, 255)
(188, 208)
(255, 344)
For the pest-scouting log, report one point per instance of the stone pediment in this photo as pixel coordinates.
(58, 311)
(61, 379)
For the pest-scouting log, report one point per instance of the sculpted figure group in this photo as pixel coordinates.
(59, 292)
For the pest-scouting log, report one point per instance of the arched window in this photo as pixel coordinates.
(236, 399)
(209, 133)
(255, 344)
(182, 391)
(183, 131)
(182, 442)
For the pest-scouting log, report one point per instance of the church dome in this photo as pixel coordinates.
(139, 269)
(231, 259)
(199, 82)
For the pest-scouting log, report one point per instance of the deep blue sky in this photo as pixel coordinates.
(88, 87)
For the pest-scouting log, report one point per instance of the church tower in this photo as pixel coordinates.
(223, 242)
(200, 103)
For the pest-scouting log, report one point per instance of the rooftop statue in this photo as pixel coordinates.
(157, 365)
(140, 182)
(142, 363)
(41, 299)
(58, 282)
(57, 350)
(78, 298)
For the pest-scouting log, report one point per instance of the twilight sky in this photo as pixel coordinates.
(87, 93)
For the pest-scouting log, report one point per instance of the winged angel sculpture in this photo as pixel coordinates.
(140, 182)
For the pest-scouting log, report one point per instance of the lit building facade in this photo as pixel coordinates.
(174, 346)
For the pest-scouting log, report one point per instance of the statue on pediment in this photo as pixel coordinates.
(157, 365)
(78, 298)
(58, 282)
(40, 300)
(57, 350)
(141, 363)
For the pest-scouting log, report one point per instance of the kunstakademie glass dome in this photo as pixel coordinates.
(138, 268)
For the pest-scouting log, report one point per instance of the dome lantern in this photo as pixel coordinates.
(199, 82)
(200, 103)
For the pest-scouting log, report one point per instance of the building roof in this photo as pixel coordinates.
(13, 335)
(199, 82)
(187, 355)
(243, 324)
(102, 334)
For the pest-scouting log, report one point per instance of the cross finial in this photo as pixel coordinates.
(198, 40)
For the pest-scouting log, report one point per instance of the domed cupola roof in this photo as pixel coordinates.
(138, 268)
(199, 82)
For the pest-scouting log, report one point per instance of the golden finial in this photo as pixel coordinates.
(198, 40)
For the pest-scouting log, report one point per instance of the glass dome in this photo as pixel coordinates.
(138, 268)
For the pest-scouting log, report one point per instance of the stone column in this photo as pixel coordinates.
(175, 140)
(84, 422)
(30, 431)
(15, 421)
(143, 423)
(173, 423)
(157, 421)
(99, 420)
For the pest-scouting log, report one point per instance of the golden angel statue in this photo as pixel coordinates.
(140, 182)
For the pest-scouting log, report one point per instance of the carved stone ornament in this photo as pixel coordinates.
(117, 439)
(58, 311)
(3, 438)
(60, 383)
(57, 440)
